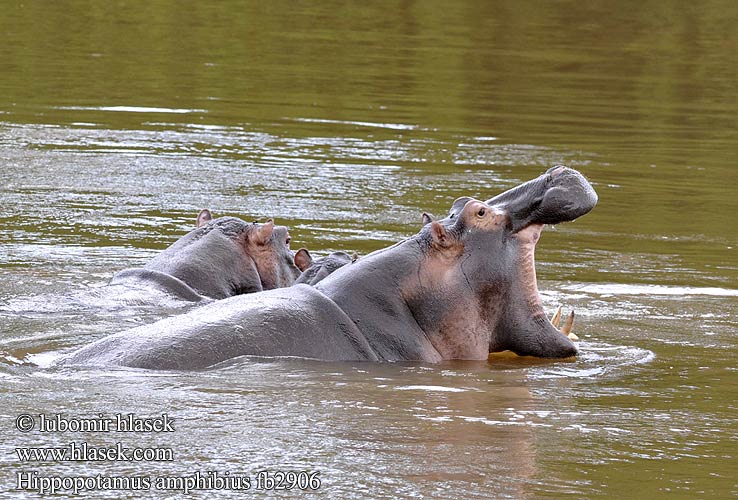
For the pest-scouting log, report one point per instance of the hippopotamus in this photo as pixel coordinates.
(315, 270)
(461, 288)
(220, 258)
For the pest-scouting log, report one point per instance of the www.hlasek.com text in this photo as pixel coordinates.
(83, 452)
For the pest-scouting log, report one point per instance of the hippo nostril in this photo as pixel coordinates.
(556, 170)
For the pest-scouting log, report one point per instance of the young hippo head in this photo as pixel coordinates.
(314, 270)
(227, 256)
(476, 289)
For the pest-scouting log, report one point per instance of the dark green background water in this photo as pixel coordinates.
(344, 121)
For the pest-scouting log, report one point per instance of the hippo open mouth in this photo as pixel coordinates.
(560, 195)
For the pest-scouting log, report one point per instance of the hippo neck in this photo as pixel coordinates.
(216, 274)
(170, 284)
(191, 276)
(369, 292)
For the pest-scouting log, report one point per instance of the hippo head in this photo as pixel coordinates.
(269, 247)
(476, 291)
(227, 256)
(315, 270)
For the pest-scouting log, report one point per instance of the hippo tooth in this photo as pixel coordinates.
(556, 318)
(566, 329)
(568, 323)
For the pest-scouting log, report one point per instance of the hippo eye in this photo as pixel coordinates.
(287, 242)
(481, 212)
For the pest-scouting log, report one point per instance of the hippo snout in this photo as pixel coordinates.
(568, 196)
(560, 195)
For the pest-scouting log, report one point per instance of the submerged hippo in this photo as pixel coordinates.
(463, 287)
(220, 258)
(315, 270)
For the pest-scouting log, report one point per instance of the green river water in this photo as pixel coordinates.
(119, 120)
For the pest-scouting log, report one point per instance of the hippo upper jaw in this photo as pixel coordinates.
(560, 195)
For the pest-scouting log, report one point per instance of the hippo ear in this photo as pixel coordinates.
(204, 217)
(427, 218)
(458, 206)
(303, 259)
(264, 233)
(354, 257)
(440, 235)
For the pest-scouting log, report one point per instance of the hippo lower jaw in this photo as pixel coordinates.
(526, 330)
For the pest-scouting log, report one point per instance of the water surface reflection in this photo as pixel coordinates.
(346, 122)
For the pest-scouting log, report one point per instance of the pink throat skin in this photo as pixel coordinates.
(528, 238)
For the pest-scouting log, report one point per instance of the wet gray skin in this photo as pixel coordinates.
(220, 258)
(461, 288)
(315, 270)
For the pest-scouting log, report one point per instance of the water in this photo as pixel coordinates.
(119, 121)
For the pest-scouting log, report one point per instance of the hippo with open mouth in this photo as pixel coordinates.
(462, 288)
(220, 258)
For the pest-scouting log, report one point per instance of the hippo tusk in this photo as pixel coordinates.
(566, 329)
(568, 324)
(556, 318)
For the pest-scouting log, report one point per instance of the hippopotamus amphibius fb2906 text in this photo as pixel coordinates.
(220, 258)
(463, 287)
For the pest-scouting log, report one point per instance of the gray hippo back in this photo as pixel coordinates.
(278, 322)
